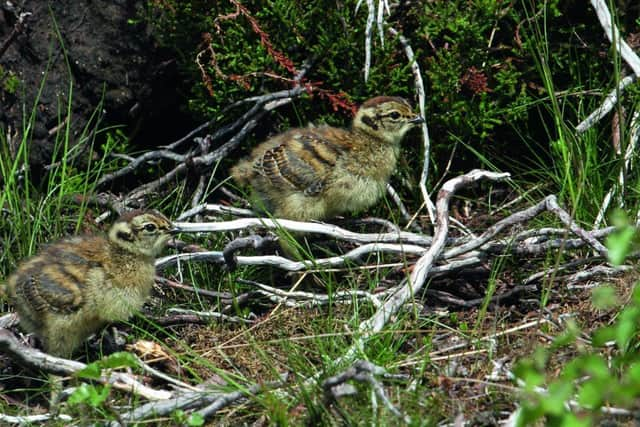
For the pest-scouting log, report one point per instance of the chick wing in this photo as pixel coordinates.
(302, 161)
(53, 281)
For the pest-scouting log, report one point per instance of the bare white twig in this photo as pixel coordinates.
(355, 255)
(56, 365)
(363, 371)
(613, 34)
(629, 154)
(227, 399)
(398, 201)
(549, 203)
(368, 38)
(609, 102)
(630, 57)
(594, 272)
(415, 282)
(301, 298)
(552, 205)
(214, 209)
(158, 374)
(472, 259)
(372, 16)
(33, 419)
(209, 315)
(8, 320)
(419, 86)
(191, 400)
(305, 227)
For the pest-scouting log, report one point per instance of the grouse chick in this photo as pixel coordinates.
(315, 173)
(72, 288)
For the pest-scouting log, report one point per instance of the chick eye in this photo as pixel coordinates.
(394, 115)
(150, 227)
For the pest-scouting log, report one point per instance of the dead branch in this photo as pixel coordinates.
(368, 35)
(353, 256)
(496, 299)
(209, 315)
(419, 85)
(9, 320)
(33, 419)
(310, 299)
(305, 227)
(228, 398)
(18, 27)
(214, 209)
(549, 203)
(197, 157)
(366, 372)
(225, 297)
(209, 402)
(255, 241)
(630, 57)
(629, 154)
(613, 34)
(607, 105)
(401, 207)
(36, 359)
(415, 282)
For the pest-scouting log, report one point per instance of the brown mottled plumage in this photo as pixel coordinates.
(73, 287)
(315, 173)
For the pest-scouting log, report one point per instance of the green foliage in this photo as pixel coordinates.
(581, 167)
(9, 81)
(94, 396)
(34, 212)
(590, 380)
(120, 359)
(89, 394)
(192, 420)
(622, 241)
(472, 66)
(506, 79)
(475, 86)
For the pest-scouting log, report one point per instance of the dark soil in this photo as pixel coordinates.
(100, 52)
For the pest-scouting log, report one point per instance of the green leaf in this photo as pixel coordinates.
(91, 371)
(602, 336)
(119, 360)
(195, 420)
(571, 420)
(633, 375)
(591, 394)
(90, 395)
(604, 297)
(625, 328)
(595, 366)
(567, 337)
(619, 244)
(79, 395)
(116, 360)
(97, 395)
(526, 370)
(559, 393)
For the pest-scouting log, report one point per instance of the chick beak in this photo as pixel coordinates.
(417, 120)
(174, 229)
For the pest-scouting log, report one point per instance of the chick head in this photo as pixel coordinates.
(142, 232)
(388, 118)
